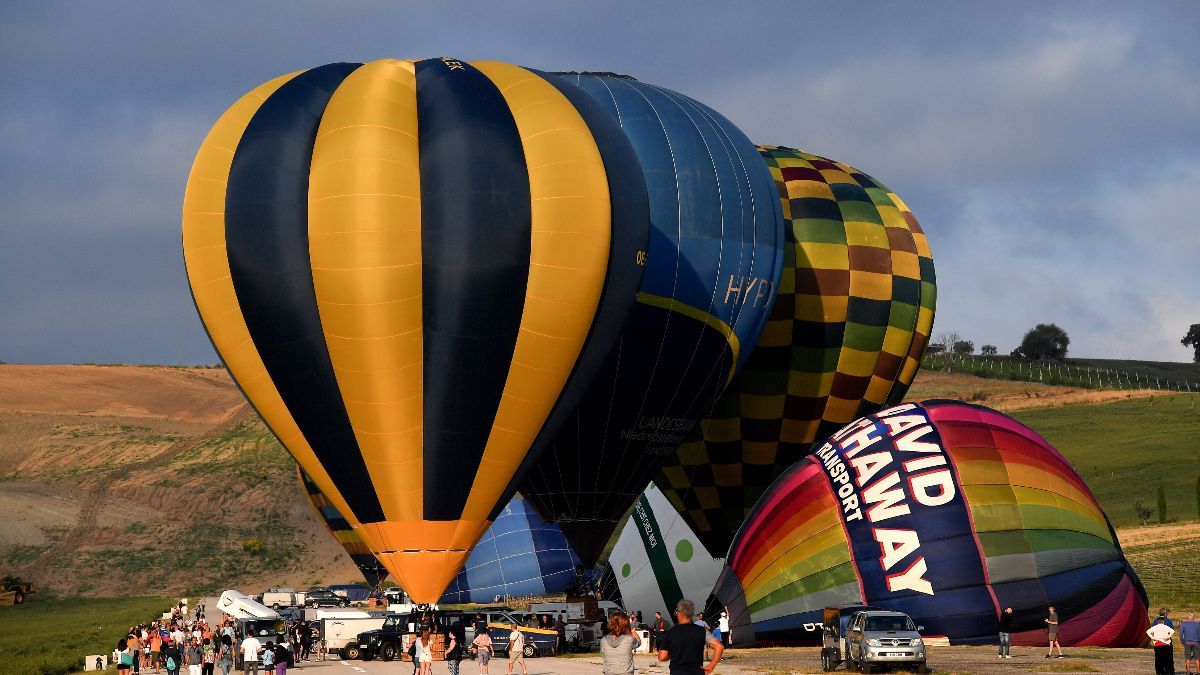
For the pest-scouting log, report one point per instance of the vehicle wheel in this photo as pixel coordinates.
(19, 598)
(351, 653)
(865, 667)
(825, 661)
(368, 656)
(923, 668)
(388, 652)
(343, 603)
(275, 606)
(529, 651)
(310, 604)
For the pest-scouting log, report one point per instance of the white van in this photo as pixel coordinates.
(340, 631)
(282, 598)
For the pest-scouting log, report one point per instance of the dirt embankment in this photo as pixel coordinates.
(1008, 395)
(112, 475)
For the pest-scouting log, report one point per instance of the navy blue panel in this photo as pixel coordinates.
(266, 233)
(715, 230)
(475, 240)
(629, 237)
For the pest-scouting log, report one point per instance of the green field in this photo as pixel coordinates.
(51, 636)
(1125, 450)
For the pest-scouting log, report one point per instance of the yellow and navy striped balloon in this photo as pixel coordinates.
(404, 265)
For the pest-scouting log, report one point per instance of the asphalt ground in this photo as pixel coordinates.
(943, 660)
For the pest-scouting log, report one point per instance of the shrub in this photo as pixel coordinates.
(252, 546)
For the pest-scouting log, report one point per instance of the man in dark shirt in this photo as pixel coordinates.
(1004, 626)
(683, 644)
(656, 630)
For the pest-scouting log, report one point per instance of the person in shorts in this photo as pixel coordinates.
(1052, 634)
(516, 650)
(1189, 634)
(483, 651)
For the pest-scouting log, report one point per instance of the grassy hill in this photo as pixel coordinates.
(114, 477)
(1126, 449)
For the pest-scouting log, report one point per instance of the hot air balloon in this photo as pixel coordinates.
(360, 554)
(657, 560)
(714, 260)
(405, 265)
(520, 555)
(948, 511)
(845, 338)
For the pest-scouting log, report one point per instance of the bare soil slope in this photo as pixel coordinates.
(155, 476)
(1009, 395)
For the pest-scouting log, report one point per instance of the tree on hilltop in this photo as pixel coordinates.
(1192, 339)
(988, 350)
(964, 347)
(1045, 341)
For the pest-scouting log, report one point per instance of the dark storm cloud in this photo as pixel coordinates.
(1051, 152)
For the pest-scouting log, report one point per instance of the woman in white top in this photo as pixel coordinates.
(425, 651)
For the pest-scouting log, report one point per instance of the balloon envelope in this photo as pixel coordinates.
(947, 511)
(402, 264)
(711, 274)
(360, 554)
(845, 338)
(519, 556)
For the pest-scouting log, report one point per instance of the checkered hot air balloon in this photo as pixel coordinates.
(845, 338)
(947, 511)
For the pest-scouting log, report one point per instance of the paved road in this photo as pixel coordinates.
(944, 660)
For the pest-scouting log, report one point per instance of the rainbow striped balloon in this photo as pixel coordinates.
(947, 511)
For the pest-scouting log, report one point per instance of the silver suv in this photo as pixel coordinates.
(880, 638)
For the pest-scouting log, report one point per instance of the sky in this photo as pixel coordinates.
(1051, 151)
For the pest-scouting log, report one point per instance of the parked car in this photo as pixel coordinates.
(323, 597)
(279, 598)
(881, 639)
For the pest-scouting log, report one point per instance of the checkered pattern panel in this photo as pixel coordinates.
(851, 321)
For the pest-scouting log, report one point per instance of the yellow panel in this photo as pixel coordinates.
(800, 189)
(859, 233)
(207, 265)
(571, 223)
(364, 226)
(822, 256)
(824, 308)
(823, 550)
(870, 285)
(857, 362)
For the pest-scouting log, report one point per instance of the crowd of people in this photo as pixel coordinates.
(183, 639)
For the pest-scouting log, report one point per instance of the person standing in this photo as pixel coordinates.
(1052, 633)
(424, 655)
(1160, 637)
(282, 656)
(483, 651)
(124, 657)
(192, 656)
(250, 649)
(657, 629)
(156, 642)
(560, 627)
(683, 644)
(454, 648)
(516, 650)
(172, 657)
(1004, 627)
(699, 621)
(1189, 634)
(618, 646)
(225, 654)
(208, 657)
(268, 657)
(723, 626)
